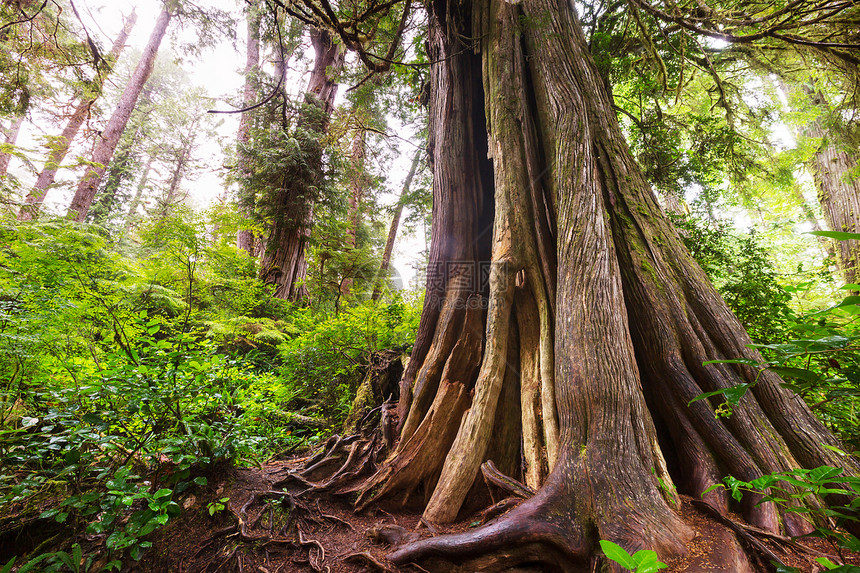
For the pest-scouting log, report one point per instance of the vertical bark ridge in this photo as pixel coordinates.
(682, 331)
(462, 178)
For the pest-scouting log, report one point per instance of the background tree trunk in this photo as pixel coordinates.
(835, 173)
(283, 263)
(138, 194)
(245, 237)
(179, 167)
(382, 275)
(109, 138)
(11, 137)
(60, 147)
(358, 184)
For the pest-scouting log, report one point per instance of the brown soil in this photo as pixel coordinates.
(323, 533)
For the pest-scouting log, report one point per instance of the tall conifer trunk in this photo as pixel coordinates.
(573, 367)
(138, 194)
(60, 147)
(358, 184)
(109, 138)
(283, 263)
(245, 238)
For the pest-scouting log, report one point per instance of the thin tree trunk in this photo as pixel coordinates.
(283, 263)
(60, 147)
(141, 187)
(382, 275)
(245, 237)
(175, 181)
(357, 188)
(109, 139)
(826, 244)
(11, 138)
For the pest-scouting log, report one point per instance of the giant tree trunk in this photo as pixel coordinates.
(11, 137)
(109, 138)
(596, 328)
(283, 262)
(245, 237)
(60, 147)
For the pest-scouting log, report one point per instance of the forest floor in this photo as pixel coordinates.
(264, 529)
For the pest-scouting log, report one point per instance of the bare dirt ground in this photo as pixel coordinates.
(264, 528)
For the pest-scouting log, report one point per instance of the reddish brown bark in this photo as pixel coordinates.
(283, 263)
(109, 138)
(245, 238)
(60, 147)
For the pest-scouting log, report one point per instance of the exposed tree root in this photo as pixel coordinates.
(492, 475)
(342, 462)
(315, 558)
(368, 560)
(535, 532)
(752, 535)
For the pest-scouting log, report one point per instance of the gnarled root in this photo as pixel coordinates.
(539, 531)
(340, 463)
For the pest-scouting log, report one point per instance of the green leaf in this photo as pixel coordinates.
(162, 493)
(647, 562)
(838, 235)
(618, 554)
(72, 457)
(31, 564)
(733, 395)
(800, 373)
(785, 568)
(824, 473)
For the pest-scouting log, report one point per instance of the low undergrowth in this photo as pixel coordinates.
(132, 373)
